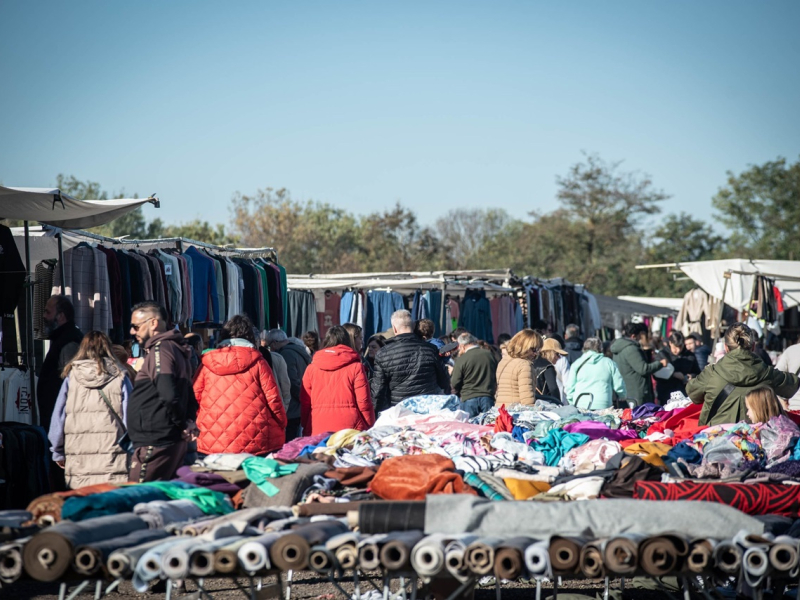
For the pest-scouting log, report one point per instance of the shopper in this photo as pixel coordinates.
(335, 393)
(89, 416)
(311, 341)
(789, 362)
(516, 375)
(162, 407)
(594, 379)
(635, 369)
(694, 343)
(683, 362)
(573, 343)
(297, 360)
(545, 366)
(722, 387)
(762, 405)
(474, 376)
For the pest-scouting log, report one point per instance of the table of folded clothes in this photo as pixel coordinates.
(521, 491)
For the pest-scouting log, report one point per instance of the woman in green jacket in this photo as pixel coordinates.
(722, 387)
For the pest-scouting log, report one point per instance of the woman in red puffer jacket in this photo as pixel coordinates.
(240, 407)
(335, 393)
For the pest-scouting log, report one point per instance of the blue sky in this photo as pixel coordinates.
(361, 104)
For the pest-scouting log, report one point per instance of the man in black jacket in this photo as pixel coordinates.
(573, 343)
(162, 407)
(406, 366)
(297, 359)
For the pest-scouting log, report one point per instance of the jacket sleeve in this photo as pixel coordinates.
(784, 384)
(380, 385)
(295, 381)
(169, 392)
(56, 433)
(363, 396)
(527, 384)
(127, 389)
(305, 401)
(271, 392)
(617, 382)
(639, 365)
(551, 383)
(282, 375)
(456, 379)
(571, 384)
(696, 388)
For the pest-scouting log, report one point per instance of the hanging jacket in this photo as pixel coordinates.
(64, 343)
(83, 430)
(335, 393)
(743, 369)
(635, 370)
(240, 407)
(516, 381)
(597, 375)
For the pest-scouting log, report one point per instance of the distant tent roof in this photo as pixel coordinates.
(51, 206)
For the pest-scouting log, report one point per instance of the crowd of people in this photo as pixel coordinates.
(113, 417)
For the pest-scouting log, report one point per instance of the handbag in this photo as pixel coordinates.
(124, 440)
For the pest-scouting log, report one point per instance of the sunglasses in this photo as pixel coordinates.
(135, 326)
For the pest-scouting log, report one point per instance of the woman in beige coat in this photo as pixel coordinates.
(516, 377)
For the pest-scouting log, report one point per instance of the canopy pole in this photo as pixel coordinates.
(718, 324)
(442, 312)
(61, 258)
(29, 346)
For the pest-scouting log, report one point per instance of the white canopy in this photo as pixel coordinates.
(51, 206)
(710, 276)
(671, 303)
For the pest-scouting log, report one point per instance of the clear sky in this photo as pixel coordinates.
(361, 104)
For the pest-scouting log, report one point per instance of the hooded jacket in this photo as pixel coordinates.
(746, 371)
(574, 346)
(597, 375)
(162, 401)
(83, 430)
(635, 370)
(240, 407)
(335, 394)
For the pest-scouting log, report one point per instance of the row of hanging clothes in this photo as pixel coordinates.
(15, 389)
(554, 304)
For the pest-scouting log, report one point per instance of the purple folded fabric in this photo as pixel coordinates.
(596, 430)
(292, 450)
(645, 410)
(211, 481)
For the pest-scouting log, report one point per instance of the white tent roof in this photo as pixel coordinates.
(51, 206)
(710, 276)
(671, 303)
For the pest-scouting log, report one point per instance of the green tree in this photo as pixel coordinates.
(393, 240)
(761, 206)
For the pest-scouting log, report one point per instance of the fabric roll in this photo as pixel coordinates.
(258, 517)
(728, 557)
(46, 510)
(396, 550)
(321, 559)
(701, 556)
(11, 561)
(90, 558)
(291, 550)
(783, 555)
(121, 563)
(537, 559)
(455, 557)
(226, 559)
(50, 553)
(621, 554)
(480, 555)
(201, 559)
(755, 564)
(369, 552)
(160, 513)
(113, 502)
(325, 508)
(591, 560)
(384, 517)
(565, 553)
(662, 554)
(509, 558)
(196, 528)
(175, 561)
(344, 547)
(427, 557)
(148, 567)
(254, 555)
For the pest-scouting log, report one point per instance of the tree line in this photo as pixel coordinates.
(606, 221)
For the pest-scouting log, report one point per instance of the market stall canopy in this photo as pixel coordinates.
(672, 303)
(615, 312)
(51, 206)
(710, 276)
(401, 285)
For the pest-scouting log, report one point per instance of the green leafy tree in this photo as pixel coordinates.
(393, 240)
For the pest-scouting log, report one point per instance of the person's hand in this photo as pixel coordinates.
(191, 432)
(664, 362)
(61, 463)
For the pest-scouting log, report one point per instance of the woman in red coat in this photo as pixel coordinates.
(335, 393)
(240, 407)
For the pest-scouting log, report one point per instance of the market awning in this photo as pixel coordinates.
(51, 206)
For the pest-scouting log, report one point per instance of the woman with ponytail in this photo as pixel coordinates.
(723, 387)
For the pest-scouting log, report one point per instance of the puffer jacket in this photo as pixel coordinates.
(90, 430)
(335, 393)
(594, 379)
(574, 346)
(743, 369)
(240, 408)
(407, 366)
(516, 381)
(635, 370)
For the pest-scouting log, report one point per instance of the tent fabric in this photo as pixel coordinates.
(299, 282)
(710, 276)
(49, 205)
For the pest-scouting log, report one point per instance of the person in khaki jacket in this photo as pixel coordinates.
(86, 426)
(516, 376)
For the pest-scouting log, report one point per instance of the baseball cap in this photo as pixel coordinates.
(448, 348)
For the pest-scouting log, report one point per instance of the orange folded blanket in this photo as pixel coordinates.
(414, 477)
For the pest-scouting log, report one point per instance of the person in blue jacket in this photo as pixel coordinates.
(594, 379)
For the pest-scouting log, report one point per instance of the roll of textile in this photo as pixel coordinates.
(537, 559)
(369, 551)
(755, 564)
(509, 558)
(254, 555)
(321, 559)
(11, 560)
(396, 550)
(662, 554)
(121, 563)
(250, 516)
(427, 557)
(455, 554)
(289, 522)
(175, 561)
(113, 502)
(14, 518)
(565, 554)
(46, 510)
(291, 550)
(701, 556)
(49, 553)
(621, 554)
(344, 546)
(783, 555)
(728, 557)
(226, 560)
(480, 555)
(148, 567)
(325, 508)
(385, 517)
(160, 513)
(91, 557)
(198, 527)
(201, 558)
(591, 560)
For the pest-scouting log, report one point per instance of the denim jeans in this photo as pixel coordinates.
(475, 406)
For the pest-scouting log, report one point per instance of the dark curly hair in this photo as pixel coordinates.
(238, 326)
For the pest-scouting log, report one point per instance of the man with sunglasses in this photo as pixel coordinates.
(162, 408)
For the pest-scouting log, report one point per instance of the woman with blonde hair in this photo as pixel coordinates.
(762, 405)
(90, 413)
(516, 375)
